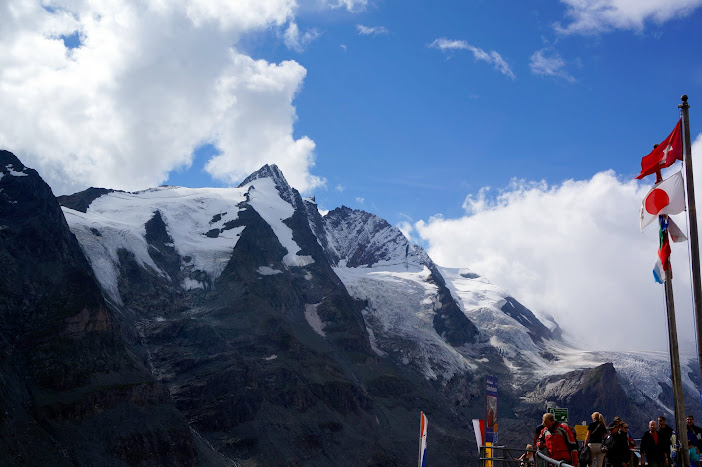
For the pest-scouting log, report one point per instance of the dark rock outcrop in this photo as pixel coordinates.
(81, 201)
(526, 318)
(585, 391)
(69, 385)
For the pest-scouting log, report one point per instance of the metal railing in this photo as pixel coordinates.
(502, 456)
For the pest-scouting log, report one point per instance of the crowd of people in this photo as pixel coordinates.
(612, 445)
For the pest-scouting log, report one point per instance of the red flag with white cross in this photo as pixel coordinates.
(664, 155)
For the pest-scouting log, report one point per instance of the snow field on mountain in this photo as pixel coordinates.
(189, 213)
(101, 250)
(120, 218)
(481, 301)
(401, 304)
(266, 200)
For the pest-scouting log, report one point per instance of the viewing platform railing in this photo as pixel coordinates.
(502, 456)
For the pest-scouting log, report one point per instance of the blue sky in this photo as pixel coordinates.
(412, 129)
(501, 136)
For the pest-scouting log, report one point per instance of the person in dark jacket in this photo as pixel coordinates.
(616, 447)
(666, 432)
(630, 443)
(596, 432)
(654, 448)
(694, 433)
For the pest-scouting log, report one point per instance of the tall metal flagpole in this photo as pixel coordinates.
(678, 402)
(692, 222)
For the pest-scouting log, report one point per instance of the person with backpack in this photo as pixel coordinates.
(558, 439)
(596, 432)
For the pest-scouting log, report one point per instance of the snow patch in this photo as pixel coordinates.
(190, 284)
(267, 271)
(374, 343)
(14, 173)
(314, 320)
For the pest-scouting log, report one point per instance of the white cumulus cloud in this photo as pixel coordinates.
(492, 57)
(549, 64)
(353, 6)
(406, 228)
(371, 30)
(574, 251)
(596, 16)
(296, 40)
(148, 83)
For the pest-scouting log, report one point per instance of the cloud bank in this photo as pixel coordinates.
(119, 93)
(573, 251)
(597, 16)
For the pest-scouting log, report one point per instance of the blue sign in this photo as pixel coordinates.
(491, 409)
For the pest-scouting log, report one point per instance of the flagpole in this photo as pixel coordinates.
(676, 376)
(692, 223)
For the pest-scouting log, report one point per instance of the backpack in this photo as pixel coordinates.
(584, 455)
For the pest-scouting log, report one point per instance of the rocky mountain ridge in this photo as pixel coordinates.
(273, 335)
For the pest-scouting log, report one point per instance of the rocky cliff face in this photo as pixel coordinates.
(67, 378)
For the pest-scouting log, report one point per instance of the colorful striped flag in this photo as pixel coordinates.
(661, 270)
(423, 440)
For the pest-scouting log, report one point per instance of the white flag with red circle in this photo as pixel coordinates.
(668, 197)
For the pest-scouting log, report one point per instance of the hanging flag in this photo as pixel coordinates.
(668, 197)
(664, 248)
(658, 272)
(661, 270)
(664, 155)
(676, 234)
(479, 430)
(423, 422)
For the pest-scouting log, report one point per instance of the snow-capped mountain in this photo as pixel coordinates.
(285, 337)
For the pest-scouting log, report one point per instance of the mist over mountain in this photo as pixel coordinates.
(213, 326)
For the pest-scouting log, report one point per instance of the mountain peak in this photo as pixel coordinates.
(7, 158)
(267, 171)
(11, 165)
(272, 171)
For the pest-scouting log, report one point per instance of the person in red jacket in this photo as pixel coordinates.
(558, 439)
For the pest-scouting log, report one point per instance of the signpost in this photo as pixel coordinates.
(580, 432)
(561, 415)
